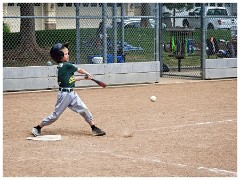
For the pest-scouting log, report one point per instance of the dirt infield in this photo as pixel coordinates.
(190, 131)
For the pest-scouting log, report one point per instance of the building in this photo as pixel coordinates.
(92, 13)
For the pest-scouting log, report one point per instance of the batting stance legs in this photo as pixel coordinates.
(72, 101)
(67, 100)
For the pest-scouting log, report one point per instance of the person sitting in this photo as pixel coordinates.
(212, 46)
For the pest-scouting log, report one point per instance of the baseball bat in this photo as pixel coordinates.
(100, 83)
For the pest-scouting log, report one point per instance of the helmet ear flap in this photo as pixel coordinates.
(66, 44)
(60, 55)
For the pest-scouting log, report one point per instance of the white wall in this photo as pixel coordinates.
(220, 68)
(45, 77)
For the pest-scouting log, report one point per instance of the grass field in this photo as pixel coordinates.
(139, 37)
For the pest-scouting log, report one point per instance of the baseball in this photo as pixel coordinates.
(153, 98)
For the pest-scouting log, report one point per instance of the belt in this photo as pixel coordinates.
(66, 89)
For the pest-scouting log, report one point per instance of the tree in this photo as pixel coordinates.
(27, 26)
(178, 6)
(145, 11)
(27, 52)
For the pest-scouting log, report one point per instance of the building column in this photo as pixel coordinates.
(4, 11)
(129, 9)
(50, 10)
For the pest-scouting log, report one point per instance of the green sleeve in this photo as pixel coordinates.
(72, 68)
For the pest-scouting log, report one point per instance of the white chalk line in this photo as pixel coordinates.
(215, 170)
(186, 125)
(180, 165)
(144, 159)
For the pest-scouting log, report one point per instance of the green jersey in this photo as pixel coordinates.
(65, 75)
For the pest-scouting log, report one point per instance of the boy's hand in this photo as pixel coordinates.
(88, 76)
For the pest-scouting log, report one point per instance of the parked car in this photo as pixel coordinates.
(217, 18)
(136, 23)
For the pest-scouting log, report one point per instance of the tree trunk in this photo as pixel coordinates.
(145, 11)
(27, 52)
(27, 26)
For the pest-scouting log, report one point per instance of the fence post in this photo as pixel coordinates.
(104, 20)
(203, 40)
(160, 39)
(115, 31)
(77, 33)
(122, 25)
(156, 31)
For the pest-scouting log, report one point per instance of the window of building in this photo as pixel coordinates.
(197, 5)
(227, 4)
(212, 4)
(219, 4)
(138, 5)
(10, 4)
(109, 4)
(35, 4)
(85, 4)
(94, 4)
(60, 4)
(68, 4)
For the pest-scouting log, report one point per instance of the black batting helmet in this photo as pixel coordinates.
(56, 53)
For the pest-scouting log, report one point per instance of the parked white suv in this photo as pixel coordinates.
(216, 18)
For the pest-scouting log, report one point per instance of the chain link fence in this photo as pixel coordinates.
(182, 55)
(121, 33)
(30, 33)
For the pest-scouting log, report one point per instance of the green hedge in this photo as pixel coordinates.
(6, 28)
(140, 37)
(134, 36)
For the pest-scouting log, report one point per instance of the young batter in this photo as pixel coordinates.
(66, 96)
